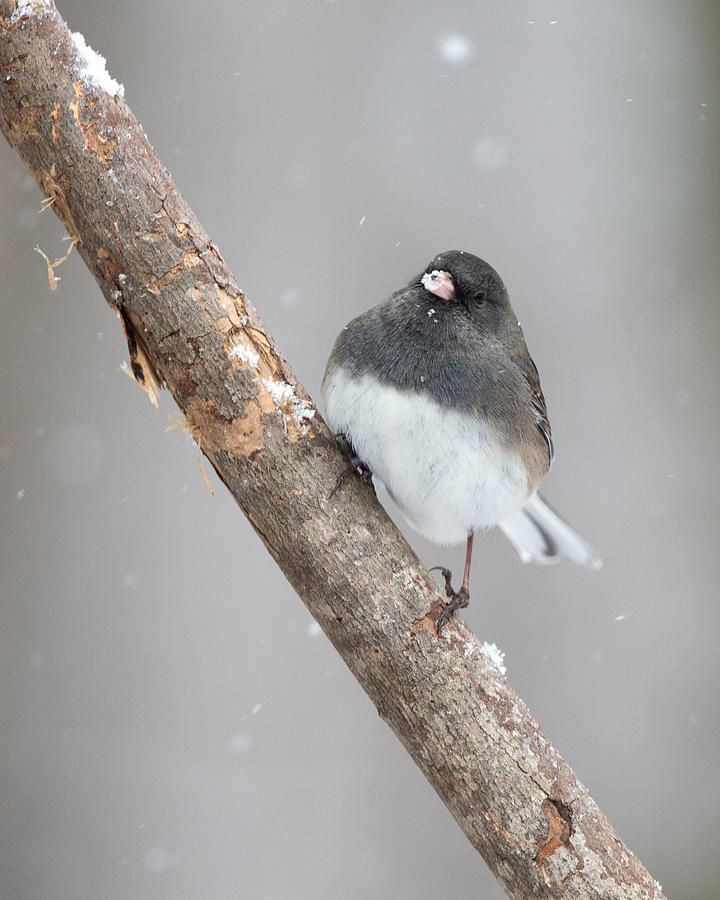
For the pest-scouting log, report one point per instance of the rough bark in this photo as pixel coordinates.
(189, 326)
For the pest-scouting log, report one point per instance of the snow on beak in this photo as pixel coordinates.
(439, 283)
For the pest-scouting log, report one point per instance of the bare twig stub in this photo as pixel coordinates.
(189, 327)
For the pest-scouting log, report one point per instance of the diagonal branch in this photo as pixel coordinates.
(189, 327)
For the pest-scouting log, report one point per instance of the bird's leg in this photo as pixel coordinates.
(458, 599)
(356, 465)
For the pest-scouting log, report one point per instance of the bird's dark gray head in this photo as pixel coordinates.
(465, 278)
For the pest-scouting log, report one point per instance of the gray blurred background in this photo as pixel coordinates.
(172, 724)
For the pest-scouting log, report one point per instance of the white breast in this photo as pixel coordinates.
(447, 472)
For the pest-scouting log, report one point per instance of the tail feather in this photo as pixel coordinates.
(539, 535)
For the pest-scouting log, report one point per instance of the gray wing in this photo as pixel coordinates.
(539, 406)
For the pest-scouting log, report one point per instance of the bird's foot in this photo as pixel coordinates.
(356, 465)
(458, 599)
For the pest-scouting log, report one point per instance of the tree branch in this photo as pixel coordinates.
(189, 327)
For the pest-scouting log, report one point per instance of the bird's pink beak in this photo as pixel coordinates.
(439, 283)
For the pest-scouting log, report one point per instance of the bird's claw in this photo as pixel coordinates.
(356, 465)
(447, 575)
(458, 599)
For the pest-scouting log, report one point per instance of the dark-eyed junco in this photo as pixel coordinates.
(435, 393)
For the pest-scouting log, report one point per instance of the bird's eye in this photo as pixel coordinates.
(479, 296)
